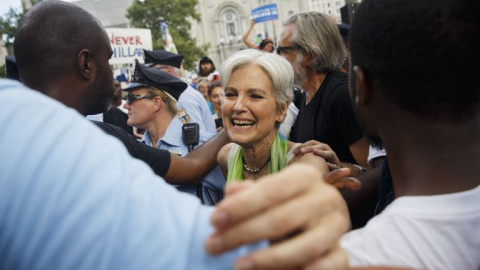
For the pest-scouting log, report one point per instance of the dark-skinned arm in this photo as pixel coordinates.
(361, 204)
(192, 168)
(359, 150)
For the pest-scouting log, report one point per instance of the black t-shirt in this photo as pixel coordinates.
(329, 117)
(158, 159)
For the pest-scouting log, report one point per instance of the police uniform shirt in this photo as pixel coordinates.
(192, 108)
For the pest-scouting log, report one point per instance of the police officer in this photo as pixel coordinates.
(152, 105)
(191, 105)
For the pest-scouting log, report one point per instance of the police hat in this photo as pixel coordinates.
(146, 76)
(162, 57)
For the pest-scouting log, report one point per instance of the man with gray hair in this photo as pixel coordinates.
(311, 42)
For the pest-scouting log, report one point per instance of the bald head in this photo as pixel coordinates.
(57, 44)
(49, 37)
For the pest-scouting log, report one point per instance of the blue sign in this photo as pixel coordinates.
(265, 13)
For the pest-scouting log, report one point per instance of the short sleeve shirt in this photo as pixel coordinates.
(329, 117)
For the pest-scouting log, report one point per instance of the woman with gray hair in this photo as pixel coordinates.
(257, 91)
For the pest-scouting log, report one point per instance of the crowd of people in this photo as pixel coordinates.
(286, 157)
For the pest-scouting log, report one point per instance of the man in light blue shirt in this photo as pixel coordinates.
(90, 205)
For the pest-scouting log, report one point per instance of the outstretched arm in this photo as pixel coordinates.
(359, 150)
(192, 168)
(247, 33)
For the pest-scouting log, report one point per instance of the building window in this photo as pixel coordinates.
(230, 19)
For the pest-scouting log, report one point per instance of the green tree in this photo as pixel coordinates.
(8, 25)
(3, 71)
(177, 14)
(9, 22)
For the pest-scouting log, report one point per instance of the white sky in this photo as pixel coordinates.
(6, 4)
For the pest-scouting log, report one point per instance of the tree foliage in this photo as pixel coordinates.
(177, 14)
(3, 71)
(9, 22)
(8, 25)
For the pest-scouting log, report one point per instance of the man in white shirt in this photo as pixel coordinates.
(414, 83)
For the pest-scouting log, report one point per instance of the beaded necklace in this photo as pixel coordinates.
(245, 167)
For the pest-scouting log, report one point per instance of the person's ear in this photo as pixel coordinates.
(282, 112)
(157, 103)
(364, 86)
(309, 59)
(84, 59)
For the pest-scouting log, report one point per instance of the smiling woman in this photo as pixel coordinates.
(215, 94)
(258, 90)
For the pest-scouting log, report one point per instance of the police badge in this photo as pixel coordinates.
(183, 116)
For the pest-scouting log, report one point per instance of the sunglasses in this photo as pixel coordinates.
(281, 49)
(131, 98)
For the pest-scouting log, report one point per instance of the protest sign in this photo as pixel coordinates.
(265, 13)
(128, 44)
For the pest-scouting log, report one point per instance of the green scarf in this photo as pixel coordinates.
(278, 156)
